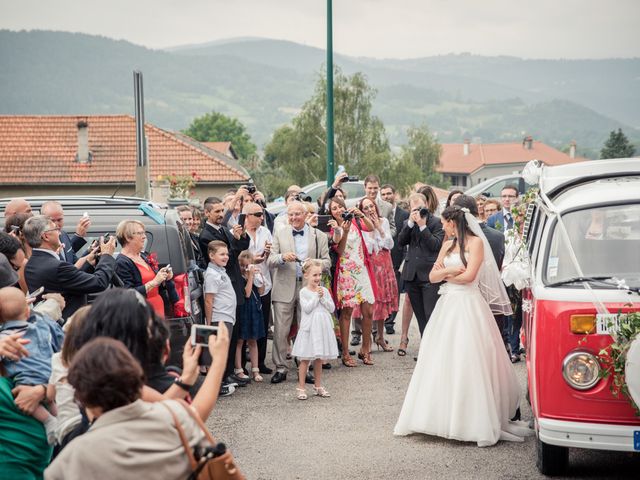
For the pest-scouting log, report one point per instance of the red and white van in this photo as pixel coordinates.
(583, 239)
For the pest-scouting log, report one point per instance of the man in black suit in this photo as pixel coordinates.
(237, 240)
(46, 269)
(423, 234)
(388, 194)
(72, 243)
(496, 242)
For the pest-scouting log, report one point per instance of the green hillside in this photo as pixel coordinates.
(265, 82)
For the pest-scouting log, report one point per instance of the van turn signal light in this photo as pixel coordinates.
(585, 324)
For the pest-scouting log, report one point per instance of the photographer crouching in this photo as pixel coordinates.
(423, 235)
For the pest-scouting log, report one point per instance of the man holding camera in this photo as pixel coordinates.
(292, 245)
(423, 234)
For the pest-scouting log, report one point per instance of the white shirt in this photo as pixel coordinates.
(256, 246)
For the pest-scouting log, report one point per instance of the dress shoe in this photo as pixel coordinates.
(226, 390)
(515, 358)
(309, 379)
(278, 377)
(355, 339)
(517, 416)
(265, 370)
(389, 329)
(326, 366)
(241, 382)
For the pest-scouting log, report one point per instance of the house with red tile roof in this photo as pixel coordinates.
(467, 164)
(96, 155)
(223, 147)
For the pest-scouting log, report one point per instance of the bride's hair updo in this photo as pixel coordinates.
(456, 214)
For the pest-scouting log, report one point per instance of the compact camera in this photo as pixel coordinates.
(303, 197)
(347, 216)
(350, 178)
(251, 188)
(424, 212)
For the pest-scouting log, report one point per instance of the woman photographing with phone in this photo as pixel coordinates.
(353, 282)
(135, 270)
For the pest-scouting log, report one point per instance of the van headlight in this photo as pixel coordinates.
(580, 370)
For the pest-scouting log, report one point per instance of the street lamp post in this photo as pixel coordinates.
(330, 165)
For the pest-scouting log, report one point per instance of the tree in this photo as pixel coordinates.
(419, 159)
(617, 146)
(361, 144)
(216, 127)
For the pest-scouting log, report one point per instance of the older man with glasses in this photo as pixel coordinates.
(71, 243)
(46, 269)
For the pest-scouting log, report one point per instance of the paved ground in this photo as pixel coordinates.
(275, 436)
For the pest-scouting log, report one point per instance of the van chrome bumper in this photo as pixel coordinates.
(595, 436)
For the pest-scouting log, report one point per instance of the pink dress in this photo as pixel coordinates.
(353, 282)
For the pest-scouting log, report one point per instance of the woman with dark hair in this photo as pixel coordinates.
(126, 316)
(432, 199)
(354, 284)
(453, 194)
(446, 397)
(128, 438)
(136, 269)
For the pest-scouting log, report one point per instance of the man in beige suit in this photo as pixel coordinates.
(292, 245)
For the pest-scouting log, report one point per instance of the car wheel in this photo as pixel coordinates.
(551, 460)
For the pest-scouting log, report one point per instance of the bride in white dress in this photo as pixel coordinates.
(464, 386)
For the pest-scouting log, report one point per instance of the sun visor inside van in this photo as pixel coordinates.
(152, 213)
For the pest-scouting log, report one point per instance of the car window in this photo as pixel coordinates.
(353, 189)
(315, 192)
(95, 237)
(606, 242)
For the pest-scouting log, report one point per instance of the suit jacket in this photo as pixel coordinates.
(497, 219)
(386, 211)
(56, 276)
(424, 247)
(496, 242)
(131, 278)
(283, 274)
(72, 243)
(235, 248)
(398, 251)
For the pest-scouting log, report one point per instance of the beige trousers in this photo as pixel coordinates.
(283, 316)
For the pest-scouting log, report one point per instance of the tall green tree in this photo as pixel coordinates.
(419, 159)
(617, 146)
(217, 127)
(361, 143)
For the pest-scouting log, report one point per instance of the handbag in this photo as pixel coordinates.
(216, 463)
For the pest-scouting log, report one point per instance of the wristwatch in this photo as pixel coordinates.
(178, 381)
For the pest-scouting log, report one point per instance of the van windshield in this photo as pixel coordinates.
(606, 242)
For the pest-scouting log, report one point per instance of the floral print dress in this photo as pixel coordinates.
(353, 282)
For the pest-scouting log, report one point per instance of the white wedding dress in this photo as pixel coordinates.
(463, 386)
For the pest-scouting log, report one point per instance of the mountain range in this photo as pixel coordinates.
(265, 82)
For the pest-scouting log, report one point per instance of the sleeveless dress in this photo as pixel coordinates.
(463, 386)
(316, 338)
(354, 281)
(153, 295)
(251, 320)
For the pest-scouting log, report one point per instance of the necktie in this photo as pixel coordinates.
(508, 220)
(298, 232)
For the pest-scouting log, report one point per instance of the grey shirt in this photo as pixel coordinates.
(217, 281)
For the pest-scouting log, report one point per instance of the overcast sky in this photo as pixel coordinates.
(372, 28)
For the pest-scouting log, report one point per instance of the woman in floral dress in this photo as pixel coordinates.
(353, 282)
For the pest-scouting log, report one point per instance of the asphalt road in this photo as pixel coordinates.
(275, 436)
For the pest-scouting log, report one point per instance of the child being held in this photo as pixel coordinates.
(316, 339)
(252, 323)
(45, 337)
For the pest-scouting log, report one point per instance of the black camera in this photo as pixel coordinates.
(347, 216)
(250, 187)
(303, 197)
(424, 212)
(350, 178)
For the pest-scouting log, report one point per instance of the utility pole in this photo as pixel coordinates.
(142, 165)
(330, 165)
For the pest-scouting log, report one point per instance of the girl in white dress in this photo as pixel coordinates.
(464, 386)
(315, 339)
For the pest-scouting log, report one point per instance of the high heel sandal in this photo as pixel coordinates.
(381, 344)
(366, 358)
(321, 392)
(301, 394)
(255, 373)
(240, 373)
(402, 349)
(347, 361)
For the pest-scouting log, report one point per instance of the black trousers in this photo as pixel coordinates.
(234, 333)
(423, 297)
(266, 316)
(390, 321)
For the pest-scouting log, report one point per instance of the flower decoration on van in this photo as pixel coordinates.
(181, 186)
(625, 329)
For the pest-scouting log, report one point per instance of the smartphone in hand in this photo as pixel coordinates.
(241, 219)
(200, 334)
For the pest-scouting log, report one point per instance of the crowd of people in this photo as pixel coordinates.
(317, 279)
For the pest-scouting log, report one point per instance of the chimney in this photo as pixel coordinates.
(572, 149)
(466, 148)
(528, 142)
(83, 155)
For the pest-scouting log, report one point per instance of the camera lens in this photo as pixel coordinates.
(424, 212)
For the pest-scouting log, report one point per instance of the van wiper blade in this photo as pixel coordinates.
(603, 280)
